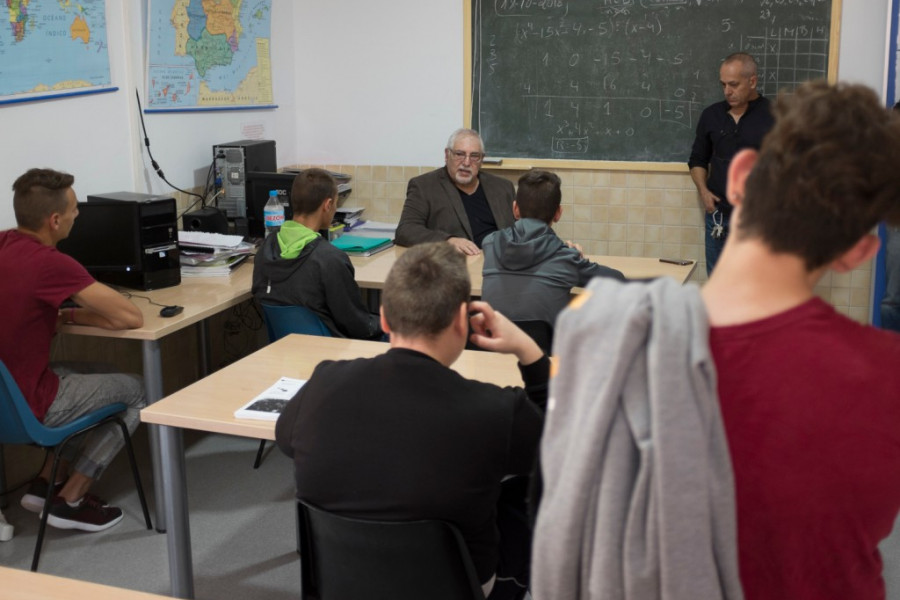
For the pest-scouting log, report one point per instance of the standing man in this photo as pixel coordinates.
(809, 399)
(35, 279)
(740, 121)
(456, 203)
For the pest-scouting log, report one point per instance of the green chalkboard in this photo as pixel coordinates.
(626, 80)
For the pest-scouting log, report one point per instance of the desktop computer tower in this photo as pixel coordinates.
(127, 239)
(232, 162)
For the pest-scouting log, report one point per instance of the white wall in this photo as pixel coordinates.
(356, 83)
(864, 32)
(378, 83)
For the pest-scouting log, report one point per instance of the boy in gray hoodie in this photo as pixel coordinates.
(529, 272)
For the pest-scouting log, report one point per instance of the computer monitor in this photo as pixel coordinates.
(259, 184)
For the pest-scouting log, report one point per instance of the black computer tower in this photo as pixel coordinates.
(127, 239)
(233, 161)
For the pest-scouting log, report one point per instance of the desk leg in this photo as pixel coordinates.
(153, 389)
(203, 339)
(178, 540)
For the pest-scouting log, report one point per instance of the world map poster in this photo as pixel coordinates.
(208, 55)
(52, 47)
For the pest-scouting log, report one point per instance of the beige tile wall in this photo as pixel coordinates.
(631, 213)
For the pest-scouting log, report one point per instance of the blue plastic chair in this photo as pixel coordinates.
(18, 425)
(282, 320)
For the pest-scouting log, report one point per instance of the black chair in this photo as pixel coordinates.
(540, 331)
(344, 558)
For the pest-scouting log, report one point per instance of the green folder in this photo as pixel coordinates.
(361, 246)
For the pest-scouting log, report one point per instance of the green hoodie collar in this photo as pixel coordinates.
(293, 238)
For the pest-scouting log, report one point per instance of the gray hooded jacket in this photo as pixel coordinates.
(529, 272)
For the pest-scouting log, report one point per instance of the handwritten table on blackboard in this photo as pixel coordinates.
(626, 80)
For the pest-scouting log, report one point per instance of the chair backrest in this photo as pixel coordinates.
(540, 331)
(282, 320)
(18, 425)
(344, 558)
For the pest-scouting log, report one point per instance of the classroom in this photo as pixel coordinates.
(372, 90)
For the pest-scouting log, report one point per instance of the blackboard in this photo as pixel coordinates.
(626, 80)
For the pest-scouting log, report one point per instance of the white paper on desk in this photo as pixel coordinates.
(268, 405)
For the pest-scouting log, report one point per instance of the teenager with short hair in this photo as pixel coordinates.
(529, 272)
(401, 436)
(297, 266)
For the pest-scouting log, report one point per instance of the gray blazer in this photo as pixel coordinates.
(434, 212)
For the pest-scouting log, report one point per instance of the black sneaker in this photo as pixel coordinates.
(33, 500)
(93, 514)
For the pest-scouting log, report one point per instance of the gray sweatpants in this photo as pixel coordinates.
(84, 388)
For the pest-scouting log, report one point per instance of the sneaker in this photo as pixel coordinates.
(93, 514)
(6, 530)
(33, 500)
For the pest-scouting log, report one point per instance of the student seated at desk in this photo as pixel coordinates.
(35, 279)
(299, 267)
(528, 271)
(403, 437)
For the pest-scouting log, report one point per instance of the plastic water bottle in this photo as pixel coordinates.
(273, 213)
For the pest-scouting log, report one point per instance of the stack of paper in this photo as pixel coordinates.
(211, 254)
(215, 266)
(342, 180)
(348, 215)
(376, 229)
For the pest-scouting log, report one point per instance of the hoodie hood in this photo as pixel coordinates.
(293, 238)
(275, 266)
(524, 245)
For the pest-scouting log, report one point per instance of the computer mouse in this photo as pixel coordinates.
(170, 311)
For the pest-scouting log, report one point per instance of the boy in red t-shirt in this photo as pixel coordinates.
(810, 399)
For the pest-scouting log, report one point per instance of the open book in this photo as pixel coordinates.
(268, 405)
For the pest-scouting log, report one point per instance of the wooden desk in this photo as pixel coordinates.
(201, 297)
(372, 271)
(209, 405)
(25, 585)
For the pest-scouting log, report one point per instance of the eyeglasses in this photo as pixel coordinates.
(460, 156)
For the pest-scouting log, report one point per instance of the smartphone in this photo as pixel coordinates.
(676, 261)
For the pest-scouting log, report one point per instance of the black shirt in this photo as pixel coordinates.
(481, 219)
(401, 437)
(719, 138)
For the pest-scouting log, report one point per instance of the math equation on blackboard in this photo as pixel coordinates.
(626, 80)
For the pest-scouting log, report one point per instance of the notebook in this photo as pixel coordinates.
(357, 245)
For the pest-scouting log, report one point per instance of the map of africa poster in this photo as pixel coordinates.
(208, 54)
(52, 47)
